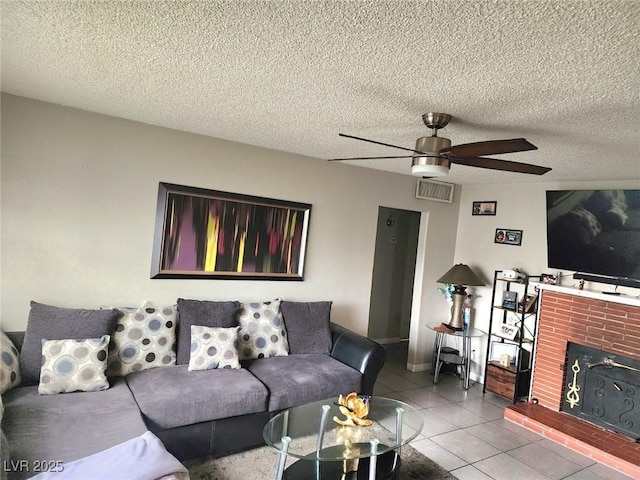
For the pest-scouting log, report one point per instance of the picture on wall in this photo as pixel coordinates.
(484, 208)
(210, 234)
(508, 237)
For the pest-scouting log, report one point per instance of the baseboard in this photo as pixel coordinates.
(419, 367)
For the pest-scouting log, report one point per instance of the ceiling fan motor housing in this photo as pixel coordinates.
(431, 165)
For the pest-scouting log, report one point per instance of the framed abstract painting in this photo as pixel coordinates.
(209, 234)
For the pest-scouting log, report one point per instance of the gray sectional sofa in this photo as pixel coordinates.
(195, 413)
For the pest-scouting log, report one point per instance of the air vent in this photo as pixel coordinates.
(434, 190)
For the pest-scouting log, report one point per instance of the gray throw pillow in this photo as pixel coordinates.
(307, 325)
(54, 323)
(205, 313)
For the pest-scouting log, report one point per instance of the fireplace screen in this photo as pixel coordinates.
(603, 388)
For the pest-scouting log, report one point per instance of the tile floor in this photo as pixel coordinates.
(464, 432)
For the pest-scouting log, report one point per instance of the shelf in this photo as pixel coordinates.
(520, 281)
(515, 340)
(511, 368)
(512, 382)
(512, 310)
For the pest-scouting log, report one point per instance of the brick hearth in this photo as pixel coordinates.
(595, 320)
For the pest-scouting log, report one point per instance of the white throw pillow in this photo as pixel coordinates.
(9, 364)
(144, 338)
(262, 331)
(74, 365)
(213, 347)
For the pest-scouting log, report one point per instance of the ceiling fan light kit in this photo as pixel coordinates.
(431, 165)
(433, 155)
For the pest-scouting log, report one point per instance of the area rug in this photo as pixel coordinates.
(261, 464)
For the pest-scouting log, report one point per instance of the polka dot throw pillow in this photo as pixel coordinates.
(213, 347)
(262, 331)
(9, 364)
(74, 365)
(144, 338)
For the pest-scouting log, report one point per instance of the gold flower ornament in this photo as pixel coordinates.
(355, 409)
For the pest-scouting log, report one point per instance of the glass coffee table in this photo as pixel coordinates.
(326, 450)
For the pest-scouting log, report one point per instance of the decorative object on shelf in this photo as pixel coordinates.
(513, 274)
(459, 276)
(507, 331)
(209, 234)
(509, 299)
(484, 208)
(355, 409)
(548, 278)
(528, 303)
(507, 236)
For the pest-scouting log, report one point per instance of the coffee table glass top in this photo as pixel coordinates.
(394, 424)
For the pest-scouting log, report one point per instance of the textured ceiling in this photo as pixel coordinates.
(291, 75)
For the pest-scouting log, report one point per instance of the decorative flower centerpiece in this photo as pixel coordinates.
(355, 409)
(447, 293)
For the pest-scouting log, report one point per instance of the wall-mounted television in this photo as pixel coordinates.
(595, 233)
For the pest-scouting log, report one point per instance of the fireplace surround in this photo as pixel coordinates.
(594, 320)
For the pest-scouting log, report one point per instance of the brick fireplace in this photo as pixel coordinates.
(603, 322)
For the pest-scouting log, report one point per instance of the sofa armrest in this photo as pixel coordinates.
(360, 353)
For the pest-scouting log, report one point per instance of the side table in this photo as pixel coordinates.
(463, 360)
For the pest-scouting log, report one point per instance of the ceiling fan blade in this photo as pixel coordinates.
(366, 158)
(381, 143)
(490, 147)
(495, 164)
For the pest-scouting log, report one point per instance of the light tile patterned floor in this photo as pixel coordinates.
(464, 432)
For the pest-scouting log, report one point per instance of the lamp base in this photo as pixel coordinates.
(457, 308)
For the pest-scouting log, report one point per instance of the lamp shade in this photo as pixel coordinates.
(461, 274)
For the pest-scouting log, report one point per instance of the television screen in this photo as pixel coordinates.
(594, 231)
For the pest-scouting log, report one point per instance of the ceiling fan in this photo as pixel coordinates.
(433, 155)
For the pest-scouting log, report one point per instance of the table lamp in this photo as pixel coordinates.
(460, 276)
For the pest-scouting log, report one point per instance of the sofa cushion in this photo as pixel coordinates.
(74, 365)
(213, 347)
(303, 378)
(262, 332)
(205, 313)
(207, 395)
(9, 364)
(307, 326)
(68, 427)
(144, 337)
(54, 323)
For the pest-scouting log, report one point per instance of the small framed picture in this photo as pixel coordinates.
(509, 299)
(484, 208)
(528, 304)
(507, 236)
(548, 279)
(500, 348)
(507, 331)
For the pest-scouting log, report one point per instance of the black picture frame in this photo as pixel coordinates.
(484, 208)
(509, 299)
(508, 236)
(210, 234)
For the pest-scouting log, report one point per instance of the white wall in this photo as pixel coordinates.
(78, 209)
(520, 207)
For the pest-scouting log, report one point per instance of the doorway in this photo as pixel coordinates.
(394, 267)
